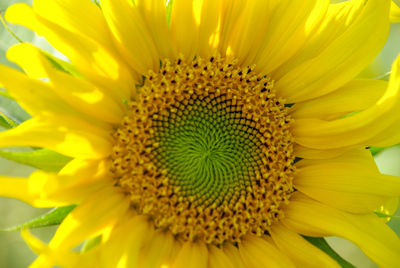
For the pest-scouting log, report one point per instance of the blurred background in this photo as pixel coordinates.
(14, 253)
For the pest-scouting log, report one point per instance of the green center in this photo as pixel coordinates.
(208, 148)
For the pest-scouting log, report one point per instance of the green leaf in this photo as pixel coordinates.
(321, 243)
(91, 243)
(61, 65)
(42, 159)
(8, 29)
(169, 11)
(53, 217)
(383, 215)
(376, 150)
(7, 122)
(97, 3)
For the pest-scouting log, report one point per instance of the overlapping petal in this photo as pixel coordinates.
(377, 125)
(349, 38)
(75, 182)
(72, 137)
(300, 250)
(96, 61)
(99, 103)
(258, 252)
(131, 35)
(350, 182)
(355, 96)
(395, 12)
(367, 231)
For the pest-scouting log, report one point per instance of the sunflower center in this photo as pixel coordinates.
(206, 151)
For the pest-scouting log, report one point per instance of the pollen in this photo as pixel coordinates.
(206, 151)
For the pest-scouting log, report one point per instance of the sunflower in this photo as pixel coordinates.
(209, 133)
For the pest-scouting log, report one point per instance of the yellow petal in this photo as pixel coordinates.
(367, 231)
(257, 252)
(300, 250)
(34, 96)
(83, 96)
(217, 258)
(232, 11)
(101, 210)
(193, 255)
(73, 15)
(247, 29)
(126, 241)
(210, 24)
(65, 259)
(351, 36)
(308, 153)
(100, 65)
(50, 190)
(155, 16)
(394, 12)
(378, 125)
(388, 208)
(290, 25)
(159, 250)
(18, 188)
(350, 182)
(233, 254)
(184, 28)
(355, 96)
(131, 35)
(71, 137)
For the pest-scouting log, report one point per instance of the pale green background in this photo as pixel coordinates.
(13, 251)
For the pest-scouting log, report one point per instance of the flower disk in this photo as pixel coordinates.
(206, 151)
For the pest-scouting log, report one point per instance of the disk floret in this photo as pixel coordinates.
(206, 151)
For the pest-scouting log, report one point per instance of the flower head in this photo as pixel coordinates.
(213, 135)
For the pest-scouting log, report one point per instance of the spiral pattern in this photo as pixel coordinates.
(210, 149)
(206, 151)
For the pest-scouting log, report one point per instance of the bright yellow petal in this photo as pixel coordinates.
(232, 12)
(184, 28)
(308, 153)
(35, 97)
(233, 253)
(290, 25)
(378, 125)
(209, 28)
(256, 252)
(159, 251)
(72, 137)
(80, 94)
(50, 190)
(101, 210)
(300, 250)
(355, 96)
(100, 65)
(155, 16)
(217, 258)
(126, 243)
(193, 255)
(131, 35)
(65, 259)
(350, 182)
(73, 15)
(247, 30)
(352, 35)
(394, 12)
(18, 188)
(368, 232)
